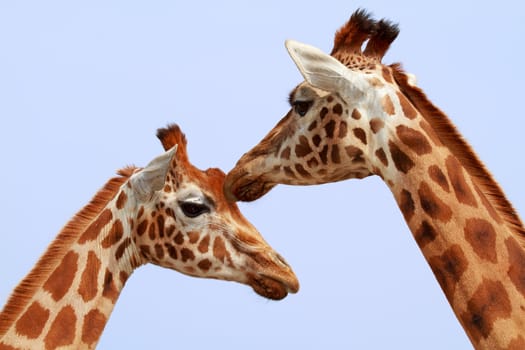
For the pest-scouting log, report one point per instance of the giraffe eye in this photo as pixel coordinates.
(302, 107)
(192, 209)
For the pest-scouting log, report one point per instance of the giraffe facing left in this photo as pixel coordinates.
(168, 213)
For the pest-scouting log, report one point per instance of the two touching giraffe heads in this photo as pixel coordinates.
(188, 225)
(336, 125)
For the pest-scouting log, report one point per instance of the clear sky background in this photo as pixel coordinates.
(84, 86)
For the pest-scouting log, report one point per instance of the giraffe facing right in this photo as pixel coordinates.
(170, 214)
(355, 117)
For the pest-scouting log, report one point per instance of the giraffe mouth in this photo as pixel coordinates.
(272, 288)
(242, 187)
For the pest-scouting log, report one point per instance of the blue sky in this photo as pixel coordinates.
(84, 86)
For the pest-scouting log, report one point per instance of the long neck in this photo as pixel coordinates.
(68, 297)
(472, 247)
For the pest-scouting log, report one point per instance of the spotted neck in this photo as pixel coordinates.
(471, 238)
(68, 297)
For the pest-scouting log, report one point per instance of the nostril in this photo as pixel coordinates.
(279, 258)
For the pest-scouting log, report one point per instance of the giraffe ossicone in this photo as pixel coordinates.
(170, 214)
(354, 117)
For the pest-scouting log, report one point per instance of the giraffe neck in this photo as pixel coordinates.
(473, 250)
(68, 297)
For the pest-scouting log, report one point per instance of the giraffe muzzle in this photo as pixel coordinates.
(240, 186)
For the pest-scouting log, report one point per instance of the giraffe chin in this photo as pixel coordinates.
(270, 288)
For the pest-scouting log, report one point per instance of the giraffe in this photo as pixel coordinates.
(354, 117)
(170, 214)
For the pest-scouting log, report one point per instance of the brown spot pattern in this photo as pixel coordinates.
(109, 290)
(387, 104)
(408, 110)
(186, 255)
(160, 225)
(302, 171)
(62, 330)
(170, 230)
(401, 160)
(285, 154)
(448, 269)
(376, 124)
(172, 252)
(482, 237)
(32, 321)
(193, 236)
(204, 244)
(406, 204)
(425, 234)
(219, 249)
(360, 134)
(96, 226)
(204, 265)
(488, 303)
(312, 126)
(316, 140)
(414, 139)
(159, 251)
(62, 277)
(335, 154)
(343, 129)
(516, 270)
(119, 252)
(329, 129)
(141, 228)
(438, 177)
(432, 204)
(121, 200)
(356, 114)
(457, 179)
(323, 113)
(88, 287)
(338, 109)
(93, 325)
(151, 231)
(179, 238)
(115, 234)
(380, 153)
(303, 147)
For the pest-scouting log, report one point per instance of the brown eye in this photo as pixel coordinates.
(302, 107)
(192, 209)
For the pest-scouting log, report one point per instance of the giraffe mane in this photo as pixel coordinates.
(450, 136)
(25, 290)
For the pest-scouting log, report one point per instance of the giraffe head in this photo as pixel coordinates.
(185, 223)
(337, 115)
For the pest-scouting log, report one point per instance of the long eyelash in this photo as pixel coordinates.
(291, 97)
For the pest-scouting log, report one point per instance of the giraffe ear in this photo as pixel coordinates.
(321, 70)
(153, 177)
